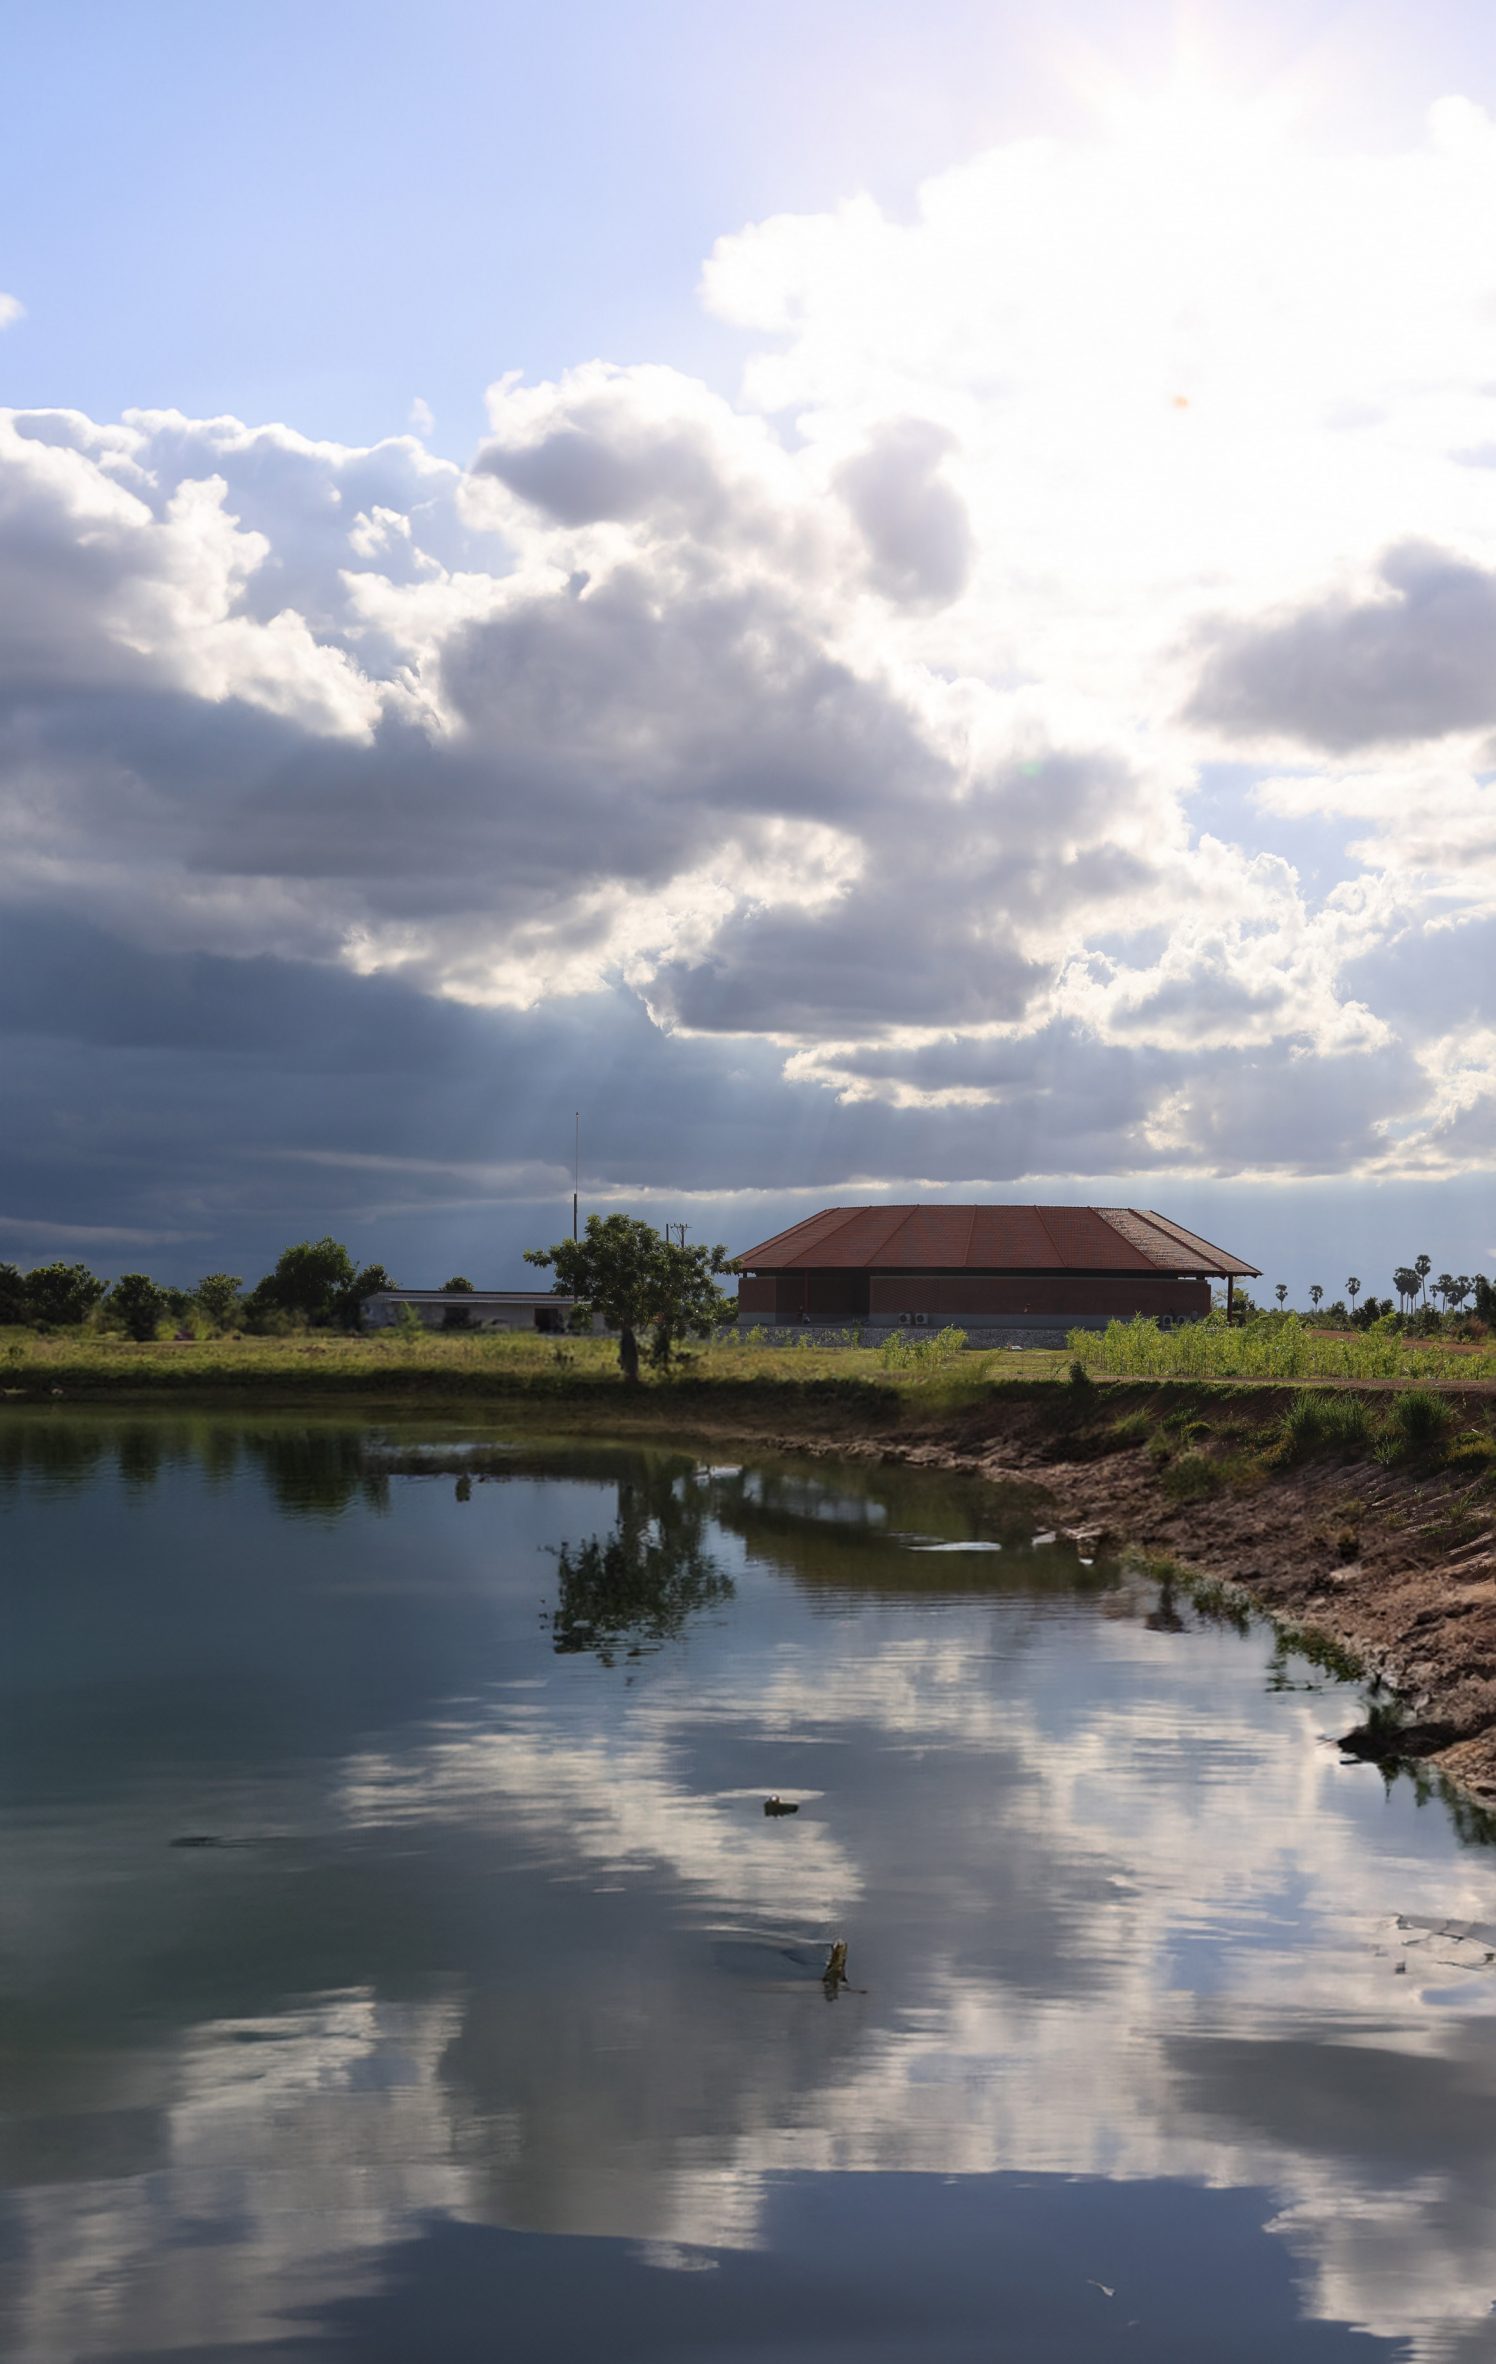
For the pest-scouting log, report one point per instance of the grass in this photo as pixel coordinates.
(1332, 1426)
(446, 1364)
(1279, 1347)
(1192, 1478)
(1420, 1422)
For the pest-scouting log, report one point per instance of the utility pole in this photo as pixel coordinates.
(672, 1228)
(576, 1175)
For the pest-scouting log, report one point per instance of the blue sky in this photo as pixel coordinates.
(318, 213)
(896, 603)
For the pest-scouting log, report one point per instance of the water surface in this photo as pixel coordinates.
(491, 2023)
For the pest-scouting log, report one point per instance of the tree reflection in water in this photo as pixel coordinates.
(637, 1587)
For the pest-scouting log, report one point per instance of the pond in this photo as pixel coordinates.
(397, 1961)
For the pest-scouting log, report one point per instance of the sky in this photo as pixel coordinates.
(889, 604)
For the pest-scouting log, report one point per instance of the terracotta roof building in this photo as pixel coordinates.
(1041, 1269)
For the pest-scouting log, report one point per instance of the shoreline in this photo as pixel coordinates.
(1390, 1558)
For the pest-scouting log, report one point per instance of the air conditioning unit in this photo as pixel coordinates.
(905, 1319)
(922, 1318)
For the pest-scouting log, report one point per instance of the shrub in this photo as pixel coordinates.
(1420, 1420)
(1319, 1422)
(1273, 1346)
(137, 1305)
(13, 1308)
(1190, 1479)
(902, 1350)
(64, 1294)
(1131, 1429)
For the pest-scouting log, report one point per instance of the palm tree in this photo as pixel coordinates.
(1423, 1266)
(1461, 1290)
(1353, 1290)
(1444, 1287)
(1405, 1281)
(1315, 1294)
(1281, 1291)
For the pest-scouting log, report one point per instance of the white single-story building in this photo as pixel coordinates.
(475, 1309)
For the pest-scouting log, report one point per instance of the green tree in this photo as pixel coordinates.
(136, 1304)
(62, 1293)
(624, 1270)
(1423, 1266)
(1281, 1291)
(348, 1306)
(457, 1317)
(1353, 1290)
(1315, 1294)
(217, 1294)
(310, 1282)
(13, 1306)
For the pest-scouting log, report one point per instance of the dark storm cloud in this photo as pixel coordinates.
(1416, 663)
(856, 965)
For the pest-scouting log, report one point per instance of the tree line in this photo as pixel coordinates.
(646, 1287)
(313, 1285)
(1419, 1295)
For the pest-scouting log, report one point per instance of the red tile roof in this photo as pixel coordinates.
(990, 1239)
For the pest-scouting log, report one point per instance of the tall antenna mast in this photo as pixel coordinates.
(576, 1176)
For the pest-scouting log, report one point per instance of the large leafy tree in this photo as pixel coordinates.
(13, 1306)
(639, 1281)
(310, 1282)
(137, 1304)
(217, 1294)
(61, 1293)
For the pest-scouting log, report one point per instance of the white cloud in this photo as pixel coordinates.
(11, 310)
(862, 716)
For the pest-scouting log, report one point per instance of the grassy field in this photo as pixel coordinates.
(89, 1363)
(395, 1366)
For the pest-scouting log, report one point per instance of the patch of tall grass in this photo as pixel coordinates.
(1420, 1422)
(1333, 1425)
(1275, 1347)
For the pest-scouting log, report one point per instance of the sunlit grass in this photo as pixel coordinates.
(399, 1362)
(1276, 1349)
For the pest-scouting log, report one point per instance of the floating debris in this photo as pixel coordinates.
(779, 1805)
(973, 1545)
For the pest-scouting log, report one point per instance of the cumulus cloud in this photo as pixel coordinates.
(11, 310)
(917, 531)
(854, 722)
(1415, 662)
